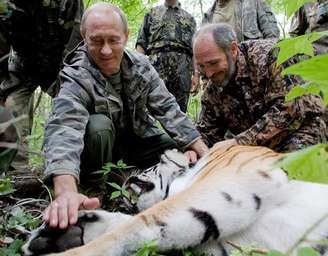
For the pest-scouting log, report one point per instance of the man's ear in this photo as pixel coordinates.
(234, 49)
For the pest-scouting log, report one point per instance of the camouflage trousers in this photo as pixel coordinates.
(175, 69)
(18, 94)
(8, 136)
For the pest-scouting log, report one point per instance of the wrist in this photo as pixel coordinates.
(64, 183)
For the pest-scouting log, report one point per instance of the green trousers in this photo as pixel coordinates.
(8, 135)
(103, 144)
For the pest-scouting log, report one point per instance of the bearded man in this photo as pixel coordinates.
(244, 101)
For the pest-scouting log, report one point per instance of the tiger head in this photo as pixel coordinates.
(151, 186)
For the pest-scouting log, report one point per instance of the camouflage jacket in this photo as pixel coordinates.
(40, 33)
(170, 27)
(84, 91)
(253, 18)
(312, 17)
(252, 106)
(308, 19)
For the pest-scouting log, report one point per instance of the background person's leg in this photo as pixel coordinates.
(20, 102)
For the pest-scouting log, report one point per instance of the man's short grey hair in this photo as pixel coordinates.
(108, 6)
(223, 34)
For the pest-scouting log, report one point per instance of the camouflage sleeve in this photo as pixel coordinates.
(209, 124)
(143, 34)
(299, 23)
(163, 106)
(267, 21)
(282, 117)
(65, 128)
(70, 15)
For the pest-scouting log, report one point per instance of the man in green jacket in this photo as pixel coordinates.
(106, 109)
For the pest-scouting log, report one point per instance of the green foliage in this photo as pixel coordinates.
(298, 45)
(194, 106)
(300, 90)
(148, 249)
(42, 108)
(108, 167)
(3, 7)
(22, 218)
(315, 71)
(310, 164)
(290, 6)
(307, 251)
(6, 187)
(120, 191)
(275, 253)
(13, 249)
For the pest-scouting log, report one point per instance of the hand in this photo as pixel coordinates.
(191, 155)
(63, 211)
(196, 150)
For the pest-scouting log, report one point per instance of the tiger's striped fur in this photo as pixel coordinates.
(232, 195)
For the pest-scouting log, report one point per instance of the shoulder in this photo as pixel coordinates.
(186, 14)
(157, 10)
(258, 51)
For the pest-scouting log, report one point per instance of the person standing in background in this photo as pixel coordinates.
(166, 37)
(251, 19)
(39, 33)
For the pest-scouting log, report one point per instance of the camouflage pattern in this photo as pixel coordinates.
(312, 17)
(251, 108)
(85, 91)
(40, 33)
(166, 36)
(8, 134)
(253, 19)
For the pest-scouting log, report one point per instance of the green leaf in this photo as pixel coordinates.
(114, 185)
(310, 164)
(126, 193)
(275, 253)
(293, 5)
(307, 251)
(115, 194)
(13, 249)
(298, 45)
(6, 187)
(314, 69)
(300, 90)
(147, 249)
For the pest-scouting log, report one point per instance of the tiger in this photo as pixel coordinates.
(232, 197)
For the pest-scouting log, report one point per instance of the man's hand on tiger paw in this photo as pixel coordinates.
(63, 211)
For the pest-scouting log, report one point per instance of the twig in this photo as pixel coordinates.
(239, 248)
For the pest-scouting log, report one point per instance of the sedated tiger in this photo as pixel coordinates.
(232, 197)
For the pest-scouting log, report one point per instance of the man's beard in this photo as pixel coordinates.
(230, 72)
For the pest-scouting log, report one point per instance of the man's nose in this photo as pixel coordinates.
(106, 49)
(209, 72)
